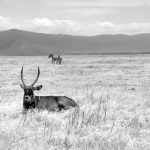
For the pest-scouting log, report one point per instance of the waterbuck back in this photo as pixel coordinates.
(54, 103)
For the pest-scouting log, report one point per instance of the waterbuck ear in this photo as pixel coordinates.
(37, 87)
(21, 85)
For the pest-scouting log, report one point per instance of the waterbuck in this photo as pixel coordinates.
(50, 103)
(55, 58)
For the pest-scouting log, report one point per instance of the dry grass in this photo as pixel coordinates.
(113, 93)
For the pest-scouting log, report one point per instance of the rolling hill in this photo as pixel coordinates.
(19, 42)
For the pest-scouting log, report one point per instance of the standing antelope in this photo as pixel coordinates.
(55, 58)
(50, 103)
(59, 60)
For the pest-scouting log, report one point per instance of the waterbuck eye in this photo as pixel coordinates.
(28, 90)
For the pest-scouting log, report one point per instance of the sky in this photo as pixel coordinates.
(76, 17)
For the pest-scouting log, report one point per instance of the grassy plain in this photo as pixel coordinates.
(113, 93)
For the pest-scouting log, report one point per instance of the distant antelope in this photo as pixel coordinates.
(59, 60)
(55, 58)
(50, 103)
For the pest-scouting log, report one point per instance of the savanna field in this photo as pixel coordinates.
(113, 94)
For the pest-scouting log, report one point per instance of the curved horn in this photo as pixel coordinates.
(36, 77)
(22, 77)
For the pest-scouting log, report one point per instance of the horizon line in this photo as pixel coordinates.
(72, 34)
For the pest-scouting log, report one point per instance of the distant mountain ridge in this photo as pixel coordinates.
(19, 42)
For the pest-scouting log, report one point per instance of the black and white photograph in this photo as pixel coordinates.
(74, 74)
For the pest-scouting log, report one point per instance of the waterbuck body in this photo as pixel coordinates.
(55, 58)
(50, 103)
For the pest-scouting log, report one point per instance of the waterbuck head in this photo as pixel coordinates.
(29, 90)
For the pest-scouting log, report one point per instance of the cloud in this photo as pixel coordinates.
(92, 3)
(4, 22)
(72, 27)
(81, 10)
(41, 22)
(108, 3)
(7, 23)
(134, 28)
(45, 25)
